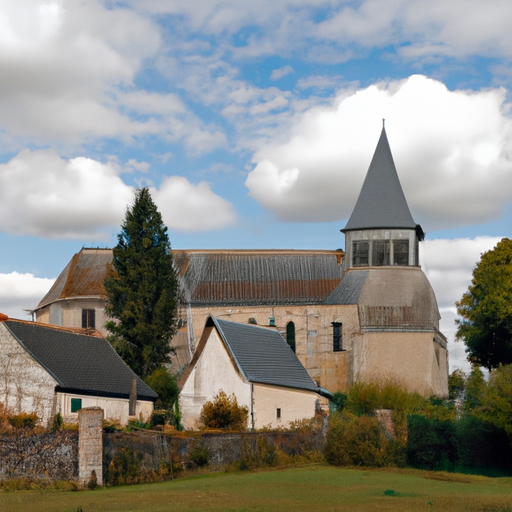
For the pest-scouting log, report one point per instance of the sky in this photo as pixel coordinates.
(253, 124)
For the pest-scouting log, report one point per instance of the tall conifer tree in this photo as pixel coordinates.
(143, 289)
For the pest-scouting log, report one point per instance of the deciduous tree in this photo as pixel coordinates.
(143, 289)
(485, 309)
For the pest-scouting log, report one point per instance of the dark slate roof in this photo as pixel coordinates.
(258, 277)
(263, 355)
(78, 362)
(381, 202)
(348, 291)
(220, 277)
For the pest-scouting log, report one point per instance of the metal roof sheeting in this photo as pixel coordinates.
(263, 355)
(214, 278)
(259, 277)
(78, 362)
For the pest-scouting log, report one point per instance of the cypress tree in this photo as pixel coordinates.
(142, 289)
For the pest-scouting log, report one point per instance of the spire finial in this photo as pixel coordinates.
(383, 121)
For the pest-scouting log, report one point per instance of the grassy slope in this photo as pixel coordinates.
(313, 488)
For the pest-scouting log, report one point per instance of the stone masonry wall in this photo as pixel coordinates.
(52, 455)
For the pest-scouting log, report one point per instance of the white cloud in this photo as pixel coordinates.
(279, 73)
(188, 207)
(68, 77)
(21, 291)
(449, 266)
(44, 195)
(452, 150)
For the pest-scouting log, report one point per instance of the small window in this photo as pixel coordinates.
(401, 252)
(278, 414)
(290, 335)
(76, 404)
(380, 253)
(337, 345)
(360, 254)
(88, 319)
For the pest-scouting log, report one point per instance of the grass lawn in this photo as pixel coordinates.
(308, 489)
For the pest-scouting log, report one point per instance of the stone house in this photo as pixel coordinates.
(257, 366)
(366, 313)
(49, 370)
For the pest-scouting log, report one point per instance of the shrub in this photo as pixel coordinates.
(338, 401)
(199, 455)
(23, 420)
(224, 413)
(159, 417)
(431, 443)
(354, 441)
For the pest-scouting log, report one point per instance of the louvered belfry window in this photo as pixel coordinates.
(401, 252)
(88, 319)
(360, 253)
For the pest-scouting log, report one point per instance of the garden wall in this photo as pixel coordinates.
(52, 455)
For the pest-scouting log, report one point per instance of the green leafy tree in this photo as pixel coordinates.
(456, 384)
(142, 289)
(486, 309)
(497, 400)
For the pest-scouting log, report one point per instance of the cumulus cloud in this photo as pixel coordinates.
(44, 195)
(69, 72)
(188, 207)
(19, 292)
(449, 265)
(279, 73)
(452, 150)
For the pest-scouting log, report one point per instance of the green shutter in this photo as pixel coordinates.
(76, 404)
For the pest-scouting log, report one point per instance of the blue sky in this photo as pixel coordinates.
(253, 123)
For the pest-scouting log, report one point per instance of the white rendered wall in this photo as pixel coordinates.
(294, 405)
(113, 408)
(214, 371)
(25, 386)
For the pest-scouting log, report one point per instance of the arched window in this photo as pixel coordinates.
(290, 334)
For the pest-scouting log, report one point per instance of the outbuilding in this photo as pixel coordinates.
(49, 370)
(257, 365)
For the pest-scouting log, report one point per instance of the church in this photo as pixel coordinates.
(366, 313)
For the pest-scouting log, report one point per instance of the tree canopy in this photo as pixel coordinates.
(142, 289)
(486, 309)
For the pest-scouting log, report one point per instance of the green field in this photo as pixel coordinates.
(309, 489)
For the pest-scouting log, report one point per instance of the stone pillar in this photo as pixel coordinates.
(90, 445)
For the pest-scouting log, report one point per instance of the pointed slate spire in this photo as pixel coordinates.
(381, 203)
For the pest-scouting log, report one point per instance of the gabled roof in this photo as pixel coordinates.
(80, 363)
(263, 356)
(219, 277)
(381, 202)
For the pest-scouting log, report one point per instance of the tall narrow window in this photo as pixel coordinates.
(88, 318)
(290, 335)
(360, 254)
(337, 341)
(380, 253)
(278, 413)
(401, 252)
